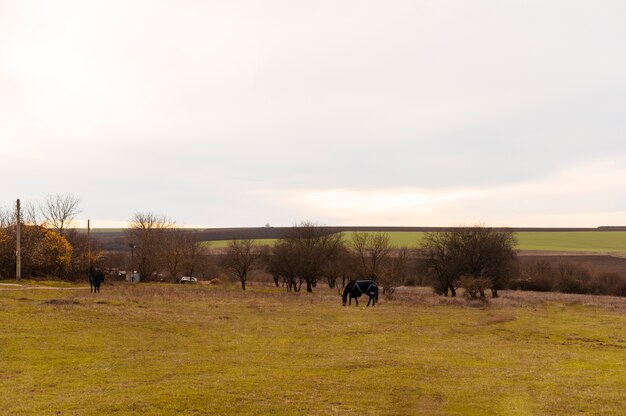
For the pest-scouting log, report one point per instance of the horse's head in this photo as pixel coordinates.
(347, 290)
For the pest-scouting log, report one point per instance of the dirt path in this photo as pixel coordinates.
(16, 286)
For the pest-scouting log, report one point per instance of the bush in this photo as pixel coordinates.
(474, 286)
(573, 278)
(607, 284)
(569, 278)
(538, 276)
(620, 289)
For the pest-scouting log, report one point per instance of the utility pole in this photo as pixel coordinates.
(88, 243)
(18, 248)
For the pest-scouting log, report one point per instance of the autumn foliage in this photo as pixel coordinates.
(44, 252)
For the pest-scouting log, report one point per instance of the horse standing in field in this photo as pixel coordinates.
(356, 288)
(96, 277)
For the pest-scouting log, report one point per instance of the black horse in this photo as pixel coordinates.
(356, 288)
(96, 277)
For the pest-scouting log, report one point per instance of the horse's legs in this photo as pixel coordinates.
(356, 301)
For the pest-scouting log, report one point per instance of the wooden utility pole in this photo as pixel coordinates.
(88, 243)
(18, 248)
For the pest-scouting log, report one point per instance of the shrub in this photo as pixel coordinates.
(573, 278)
(620, 288)
(607, 284)
(539, 276)
(474, 286)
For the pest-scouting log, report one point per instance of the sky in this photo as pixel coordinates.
(345, 112)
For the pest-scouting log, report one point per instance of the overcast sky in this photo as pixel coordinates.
(242, 113)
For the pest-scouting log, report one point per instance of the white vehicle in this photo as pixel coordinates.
(187, 279)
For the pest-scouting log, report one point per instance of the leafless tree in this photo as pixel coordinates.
(7, 217)
(241, 257)
(282, 264)
(147, 232)
(58, 211)
(372, 252)
(30, 215)
(394, 271)
(180, 252)
(339, 266)
(192, 254)
(314, 246)
(473, 252)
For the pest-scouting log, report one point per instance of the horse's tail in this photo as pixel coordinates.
(376, 294)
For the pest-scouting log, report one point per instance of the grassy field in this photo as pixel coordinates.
(195, 350)
(587, 241)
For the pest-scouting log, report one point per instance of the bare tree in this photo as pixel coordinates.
(30, 214)
(180, 252)
(58, 211)
(339, 266)
(282, 262)
(7, 217)
(394, 271)
(241, 257)
(147, 232)
(192, 254)
(314, 247)
(372, 252)
(478, 253)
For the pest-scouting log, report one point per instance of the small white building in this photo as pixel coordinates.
(133, 276)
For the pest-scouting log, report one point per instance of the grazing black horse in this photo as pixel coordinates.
(96, 277)
(356, 288)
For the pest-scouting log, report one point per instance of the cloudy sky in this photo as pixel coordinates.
(344, 112)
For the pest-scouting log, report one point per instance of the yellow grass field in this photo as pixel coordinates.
(152, 349)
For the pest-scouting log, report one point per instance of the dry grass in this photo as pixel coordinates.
(200, 349)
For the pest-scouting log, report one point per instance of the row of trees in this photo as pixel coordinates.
(568, 277)
(310, 253)
(49, 245)
(160, 248)
(474, 258)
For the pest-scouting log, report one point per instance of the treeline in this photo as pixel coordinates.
(49, 246)
(568, 277)
(310, 254)
(475, 259)
(480, 258)
(162, 251)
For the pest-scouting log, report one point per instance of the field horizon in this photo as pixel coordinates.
(592, 240)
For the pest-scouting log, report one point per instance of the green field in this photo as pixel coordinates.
(590, 241)
(196, 350)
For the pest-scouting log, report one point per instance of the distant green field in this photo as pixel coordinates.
(592, 241)
(598, 241)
